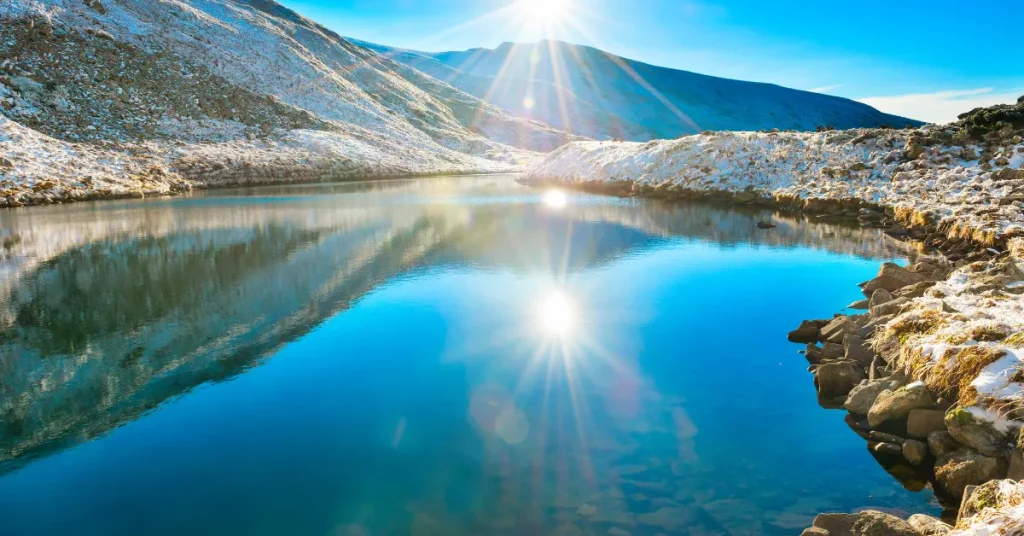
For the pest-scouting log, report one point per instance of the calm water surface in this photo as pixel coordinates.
(429, 357)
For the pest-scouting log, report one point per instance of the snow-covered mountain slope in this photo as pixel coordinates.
(129, 76)
(597, 94)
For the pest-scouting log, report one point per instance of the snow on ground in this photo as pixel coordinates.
(949, 182)
(133, 97)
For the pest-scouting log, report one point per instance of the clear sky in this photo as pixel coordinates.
(924, 59)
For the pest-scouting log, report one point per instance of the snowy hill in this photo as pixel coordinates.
(596, 94)
(246, 91)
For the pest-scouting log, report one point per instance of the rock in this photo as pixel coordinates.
(915, 451)
(837, 330)
(888, 449)
(891, 277)
(765, 225)
(957, 470)
(993, 494)
(916, 290)
(890, 307)
(616, 531)
(859, 304)
(883, 437)
(1016, 469)
(878, 297)
(866, 523)
(806, 333)
(587, 510)
(970, 428)
(928, 526)
(830, 350)
(914, 151)
(855, 349)
(922, 422)
(836, 379)
(5, 163)
(898, 404)
(941, 443)
(863, 395)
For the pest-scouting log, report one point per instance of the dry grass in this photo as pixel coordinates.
(922, 323)
(951, 377)
(1015, 341)
(989, 332)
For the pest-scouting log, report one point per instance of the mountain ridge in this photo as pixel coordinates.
(638, 95)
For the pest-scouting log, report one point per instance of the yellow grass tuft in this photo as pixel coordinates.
(951, 377)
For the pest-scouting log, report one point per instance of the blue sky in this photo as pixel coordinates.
(924, 59)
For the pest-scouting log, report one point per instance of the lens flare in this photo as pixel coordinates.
(557, 314)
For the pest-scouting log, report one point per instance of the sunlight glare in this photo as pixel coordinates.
(542, 11)
(528, 103)
(556, 199)
(556, 313)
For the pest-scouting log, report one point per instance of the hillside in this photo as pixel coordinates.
(597, 94)
(151, 97)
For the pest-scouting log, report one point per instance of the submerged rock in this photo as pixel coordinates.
(765, 225)
(967, 467)
(898, 404)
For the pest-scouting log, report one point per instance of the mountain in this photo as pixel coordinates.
(134, 97)
(594, 93)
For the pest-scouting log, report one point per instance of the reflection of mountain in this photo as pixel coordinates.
(145, 301)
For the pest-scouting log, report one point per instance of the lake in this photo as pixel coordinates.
(436, 356)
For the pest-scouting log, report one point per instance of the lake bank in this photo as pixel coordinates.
(940, 340)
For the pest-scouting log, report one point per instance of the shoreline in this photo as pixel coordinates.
(851, 369)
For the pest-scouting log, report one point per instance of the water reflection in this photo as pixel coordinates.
(109, 310)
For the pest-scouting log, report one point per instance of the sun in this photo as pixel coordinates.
(542, 11)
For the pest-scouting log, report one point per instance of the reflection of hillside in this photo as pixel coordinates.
(106, 313)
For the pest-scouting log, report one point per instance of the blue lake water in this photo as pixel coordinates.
(432, 357)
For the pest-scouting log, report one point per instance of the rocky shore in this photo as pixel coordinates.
(931, 372)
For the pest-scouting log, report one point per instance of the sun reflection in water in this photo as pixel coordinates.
(555, 199)
(557, 314)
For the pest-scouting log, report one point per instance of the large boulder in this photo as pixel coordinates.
(866, 523)
(929, 526)
(993, 494)
(836, 379)
(806, 333)
(891, 277)
(967, 467)
(863, 395)
(837, 330)
(922, 422)
(898, 404)
(973, 427)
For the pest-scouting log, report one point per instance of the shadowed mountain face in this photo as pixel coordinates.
(145, 301)
(593, 93)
